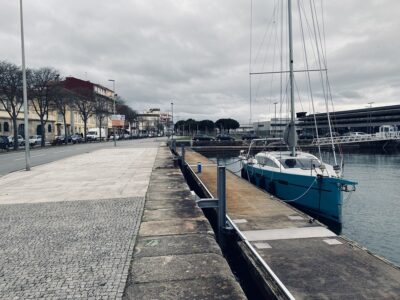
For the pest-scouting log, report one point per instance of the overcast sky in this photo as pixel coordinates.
(196, 52)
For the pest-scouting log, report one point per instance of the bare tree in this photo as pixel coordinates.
(102, 109)
(63, 102)
(43, 85)
(11, 93)
(84, 101)
(122, 108)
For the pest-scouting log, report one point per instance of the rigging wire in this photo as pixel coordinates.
(268, 33)
(316, 27)
(309, 80)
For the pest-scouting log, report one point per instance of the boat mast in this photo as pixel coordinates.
(292, 125)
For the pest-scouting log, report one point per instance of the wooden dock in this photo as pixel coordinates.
(294, 257)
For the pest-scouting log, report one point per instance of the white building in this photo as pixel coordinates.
(154, 121)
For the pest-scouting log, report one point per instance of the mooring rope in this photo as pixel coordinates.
(309, 188)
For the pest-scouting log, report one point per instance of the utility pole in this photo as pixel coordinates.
(172, 111)
(115, 141)
(370, 121)
(25, 96)
(275, 103)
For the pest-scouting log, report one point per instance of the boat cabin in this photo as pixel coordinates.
(304, 161)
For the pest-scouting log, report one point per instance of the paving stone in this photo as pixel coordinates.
(175, 212)
(178, 267)
(175, 245)
(174, 226)
(72, 249)
(199, 289)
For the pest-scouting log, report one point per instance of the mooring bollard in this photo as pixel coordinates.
(221, 191)
(199, 167)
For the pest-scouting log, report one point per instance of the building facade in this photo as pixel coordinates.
(7, 127)
(55, 122)
(366, 120)
(153, 121)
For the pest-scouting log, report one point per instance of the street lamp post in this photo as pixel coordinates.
(25, 96)
(115, 141)
(370, 122)
(275, 103)
(172, 111)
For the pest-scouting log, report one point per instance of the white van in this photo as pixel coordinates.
(94, 134)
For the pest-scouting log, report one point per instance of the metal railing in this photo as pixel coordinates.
(225, 223)
(386, 136)
(218, 203)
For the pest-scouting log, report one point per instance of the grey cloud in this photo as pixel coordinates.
(196, 53)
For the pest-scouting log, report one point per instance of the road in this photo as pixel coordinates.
(15, 161)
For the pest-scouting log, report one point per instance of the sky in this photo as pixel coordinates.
(196, 53)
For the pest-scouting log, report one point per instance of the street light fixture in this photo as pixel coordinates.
(25, 96)
(115, 141)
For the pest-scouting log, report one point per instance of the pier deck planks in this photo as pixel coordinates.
(311, 261)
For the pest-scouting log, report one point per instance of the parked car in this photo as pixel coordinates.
(4, 143)
(126, 136)
(202, 137)
(334, 134)
(35, 140)
(306, 136)
(250, 136)
(21, 141)
(76, 138)
(60, 139)
(224, 137)
(355, 133)
(111, 138)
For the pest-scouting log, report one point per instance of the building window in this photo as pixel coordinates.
(39, 130)
(6, 127)
(49, 128)
(21, 129)
(0, 127)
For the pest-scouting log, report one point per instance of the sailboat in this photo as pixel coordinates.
(298, 177)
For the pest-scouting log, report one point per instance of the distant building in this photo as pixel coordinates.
(55, 123)
(273, 128)
(365, 120)
(244, 128)
(7, 127)
(154, 121)
(74, 121)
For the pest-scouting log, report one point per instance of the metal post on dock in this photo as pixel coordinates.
(174, 146)
(221, 191)
(183, 154)
(218, 203)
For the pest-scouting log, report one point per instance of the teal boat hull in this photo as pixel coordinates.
(321, 197)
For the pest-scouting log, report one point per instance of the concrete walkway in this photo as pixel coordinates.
(68, 228)
(176, 255)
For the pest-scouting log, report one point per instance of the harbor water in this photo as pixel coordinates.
(371, 215)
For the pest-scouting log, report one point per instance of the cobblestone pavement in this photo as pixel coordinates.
(67, 250)
(68, 228)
